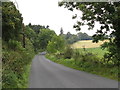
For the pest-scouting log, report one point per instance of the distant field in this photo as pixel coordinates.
(100, 53)
(87, 44)
(90, 47)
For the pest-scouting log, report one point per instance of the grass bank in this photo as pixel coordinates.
(23, 83)
(104, 70)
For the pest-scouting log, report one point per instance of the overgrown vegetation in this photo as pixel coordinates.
(17, 50)
(86, 61)
(15, 64)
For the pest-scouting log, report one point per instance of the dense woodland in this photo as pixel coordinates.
(21, 42)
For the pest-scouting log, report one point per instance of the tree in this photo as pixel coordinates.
(36, 28)
(68, 35)
(56, 44)
(39, 36)
(83, 36)
(61, 31)
(68, 53)
(15, 58)
(72, 39)
(106, 13)
(11, 21)
(47, 27)
(44, 37)
(30, 34)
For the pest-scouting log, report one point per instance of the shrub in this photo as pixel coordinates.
(59, 54)
(9, 79)
(113, 54)
(12, 44)
(80, 57)
(76, 56)
(14, 63)
(68, 53)
(56, 44)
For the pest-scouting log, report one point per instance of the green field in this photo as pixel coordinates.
(90, 47)
(98, 51)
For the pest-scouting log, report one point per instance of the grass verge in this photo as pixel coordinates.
(98, 69)
(23, 83)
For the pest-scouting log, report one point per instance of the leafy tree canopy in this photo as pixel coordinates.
(11, 21)
(108, 15)
(56, 44)
(72, 38)
(44, 37)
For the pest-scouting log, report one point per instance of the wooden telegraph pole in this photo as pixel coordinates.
(23, 36)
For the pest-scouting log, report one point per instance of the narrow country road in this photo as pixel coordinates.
(47, 74)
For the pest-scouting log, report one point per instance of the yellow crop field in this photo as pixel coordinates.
(87, 44)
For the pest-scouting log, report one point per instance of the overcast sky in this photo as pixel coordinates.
(47, 12)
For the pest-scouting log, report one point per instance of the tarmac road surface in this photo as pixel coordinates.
(47, 74)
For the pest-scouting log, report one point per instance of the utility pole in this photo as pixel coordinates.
(23, 36)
